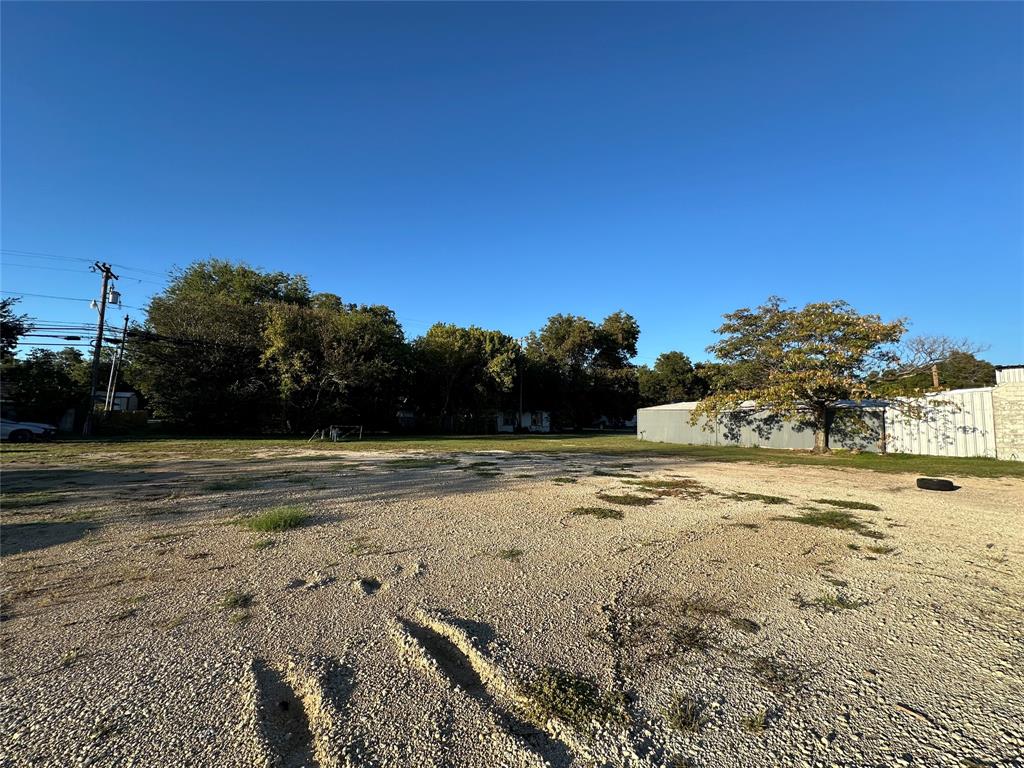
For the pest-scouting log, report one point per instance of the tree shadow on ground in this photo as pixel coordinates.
(27, 537)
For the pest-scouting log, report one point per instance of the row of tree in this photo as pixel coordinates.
(228, 348)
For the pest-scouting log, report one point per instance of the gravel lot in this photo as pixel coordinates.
(459, 610)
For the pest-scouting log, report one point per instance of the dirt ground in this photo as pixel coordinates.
(491, 609)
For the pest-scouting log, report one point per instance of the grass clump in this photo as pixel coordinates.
(831, 603)
(276, 519)
(512, 554)
(685, 488)
(762, 497)
(627, 499)
(234, 600)
(846, 504)
(240, 617)
(20, 500)
(229, 484)
(686, 714)
(262, 544)
(612, 473)
(412, 462)
(577, 701)
(563, 480)
(757, 722)
(601, 513)
(833, 518)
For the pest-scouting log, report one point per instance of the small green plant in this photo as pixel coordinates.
(240, 617)
(513, 554)
(778, 674)
(686, 714)
(276, 519)
(601, 513)
(627, 499)
(262, 544)
(846, 504)
(833, 518)
(578, 701)
(763, 498)
(234, 600)
(757, 722)
(563, 480)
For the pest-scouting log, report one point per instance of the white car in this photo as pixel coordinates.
(23, 431)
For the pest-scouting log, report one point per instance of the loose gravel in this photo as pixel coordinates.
(711, 625)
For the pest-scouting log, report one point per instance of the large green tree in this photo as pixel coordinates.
(12, 327)
(673, 379)
(799, 363)
(462, 375)
(48, 382)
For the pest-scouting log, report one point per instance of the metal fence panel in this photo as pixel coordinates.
(955, 423)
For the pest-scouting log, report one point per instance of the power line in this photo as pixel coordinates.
(63, 298)
(36, 254)
(131, 278)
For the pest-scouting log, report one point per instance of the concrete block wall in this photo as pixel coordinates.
(1008, 414)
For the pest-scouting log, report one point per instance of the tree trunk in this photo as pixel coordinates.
(821, 430)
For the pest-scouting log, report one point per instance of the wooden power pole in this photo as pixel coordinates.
(104, 269)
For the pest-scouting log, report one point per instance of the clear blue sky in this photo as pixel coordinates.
(494, 164)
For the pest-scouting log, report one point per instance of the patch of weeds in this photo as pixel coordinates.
(833, 518)
(523, 475)
(778, 674)
(686, 714)
(487, 473)
(513, 554)
(276, 519)
(563, 480)
(612, 473)
(577, 701)
(628, 499)
(240, 617)
(420, 463)
(234, 600)
(748, 626)
(756, 723)
(685, 488)
(262, 544)
(831, 603)
(763, 498)
(881, 549)
(230, 484)
(748, 526)
(70, 657)
(20, 500)
(854, 547)
(601, 513)
(846, 504)
(691, 638)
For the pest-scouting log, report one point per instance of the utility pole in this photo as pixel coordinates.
(104, 269)
(522, 376)
(115, 365)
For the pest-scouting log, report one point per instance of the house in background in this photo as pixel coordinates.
(126, 402)
(533, 421)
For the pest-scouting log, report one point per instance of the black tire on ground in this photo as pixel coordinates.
(20, 436)
(935, 484)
